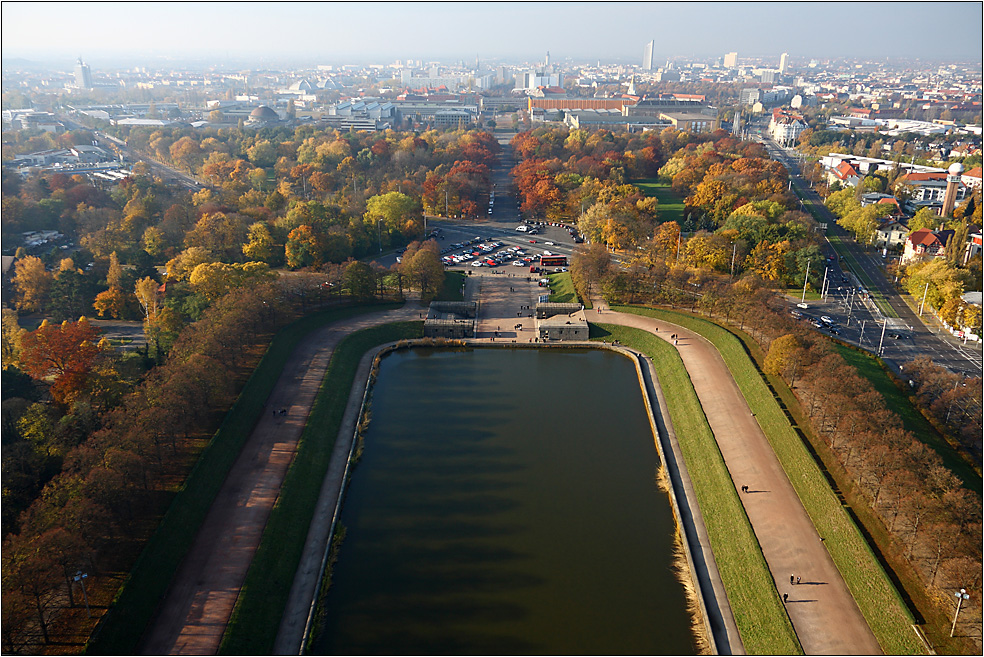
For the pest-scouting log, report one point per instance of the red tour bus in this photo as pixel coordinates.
(553, 261)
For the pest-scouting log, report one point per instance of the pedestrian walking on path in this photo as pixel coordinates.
(797, 580)
(785, 596)
(792, 579)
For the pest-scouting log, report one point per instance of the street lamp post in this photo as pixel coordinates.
(922, 304)
(882, 340)
(861, 334)
(379, 233)
(80, 578)
(961, 596)
(806, 281)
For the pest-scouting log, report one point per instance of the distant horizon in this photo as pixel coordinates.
(120, 34)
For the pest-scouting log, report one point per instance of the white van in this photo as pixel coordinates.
(521, 229)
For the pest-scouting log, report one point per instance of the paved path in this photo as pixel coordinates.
(823, 612)
(199, 603)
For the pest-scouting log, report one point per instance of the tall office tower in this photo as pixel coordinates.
(784, 62)
(731, 60)
(647, 56)
(83, 76)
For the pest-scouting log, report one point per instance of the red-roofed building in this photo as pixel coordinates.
(972, 178)
(926, 243)
(845, 174)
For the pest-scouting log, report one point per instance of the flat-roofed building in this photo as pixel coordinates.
(578, 103)
(689, 121)
(656, 106)
(612, 120)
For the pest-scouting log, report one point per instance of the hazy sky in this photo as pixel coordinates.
(331, 32)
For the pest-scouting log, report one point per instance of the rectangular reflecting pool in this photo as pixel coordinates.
(506, 503)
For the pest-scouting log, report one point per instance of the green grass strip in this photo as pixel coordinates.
(121, 629)
(671, 204)
(454, 282)
(252, 630)
(762, 621)
(562, 288)
(871, 368)
(876, 596)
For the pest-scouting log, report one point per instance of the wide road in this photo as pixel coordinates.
(868, 271)
(822, 610)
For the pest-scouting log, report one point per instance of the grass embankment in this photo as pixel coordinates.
(870, 368)
(562, 288)
(877, 597)
(760, 616)
(253, 627)
(670, 203)
(135, 604)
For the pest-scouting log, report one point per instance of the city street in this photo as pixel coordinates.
(866, 270)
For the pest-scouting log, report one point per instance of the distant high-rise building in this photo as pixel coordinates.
(647, 56)
(83, 76)
(783, 62)
(731, 60)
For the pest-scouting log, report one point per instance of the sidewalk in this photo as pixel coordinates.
(822, 610)
(199, 603)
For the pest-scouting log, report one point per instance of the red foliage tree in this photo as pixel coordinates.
(65, 354)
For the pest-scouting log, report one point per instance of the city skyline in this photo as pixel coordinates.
(383, 32)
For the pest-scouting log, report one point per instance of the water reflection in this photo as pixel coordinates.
(505, 504)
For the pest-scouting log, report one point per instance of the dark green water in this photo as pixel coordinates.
(506, 503)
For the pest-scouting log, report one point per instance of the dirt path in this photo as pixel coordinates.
(198, 605)
(823, 612)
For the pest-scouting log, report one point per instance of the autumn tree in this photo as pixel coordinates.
(32, 283)
(360, 280)
(65, 354)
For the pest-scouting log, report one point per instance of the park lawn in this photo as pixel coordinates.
(133, 608)
(876, 596)
(562, 288)
(252, 630)
(870, 367)
(454, 281)
(670, 203)
(797, 294)
(759, 614)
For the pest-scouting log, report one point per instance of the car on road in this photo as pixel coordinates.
(826, 320)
